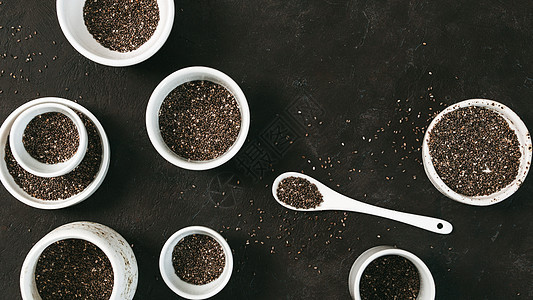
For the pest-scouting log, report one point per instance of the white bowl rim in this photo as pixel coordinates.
(524, 139)
(186, 75)
(171, 243)
(378, 251)
(78, 230)
(26, 161)
(142, 56)
(19, 193)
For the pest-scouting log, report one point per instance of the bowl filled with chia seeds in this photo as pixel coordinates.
(385, 272)
(116, 33)
(477, 152)
(197, 118)
(48, 140)
(196, 262)
(80, 260)
(58, 191)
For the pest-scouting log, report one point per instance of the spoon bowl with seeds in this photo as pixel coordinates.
(304, 193)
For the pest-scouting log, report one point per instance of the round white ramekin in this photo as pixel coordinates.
(70, 16)
(117, 249)
(27, 199)
(427, 284)
(32, 165)
(170, 83)
(524, 139)
(185, 289)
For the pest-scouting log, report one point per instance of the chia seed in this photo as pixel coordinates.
(474, 151)
(65, 186)
(299, 193)
(74, 269)
(390, 277)
(198, 259)
(120, 25)
(51, 138)
(199, 120)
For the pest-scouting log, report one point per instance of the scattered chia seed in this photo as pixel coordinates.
(68, 185)
(74, 269)
(299, 192)
(199, 120)
(51, 138)
(120, 25)
(198, 259)
(474, 151)
(390, 277)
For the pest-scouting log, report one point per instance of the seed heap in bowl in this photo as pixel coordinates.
(51, 138)
(390, 277)
(65, 186)
(199, 120)
(121, 25)
(299, 192)
(474, 151)
(198, 259)
(74, 269)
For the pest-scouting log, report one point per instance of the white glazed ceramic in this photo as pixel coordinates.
(70, 16)
(117, 249)
(30, 164)
(182, 288)
(337, 201)
(176, 79)
(427, 284)
(524, 138)
(19, 193)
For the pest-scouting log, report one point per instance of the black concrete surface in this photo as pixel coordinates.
(326, 80)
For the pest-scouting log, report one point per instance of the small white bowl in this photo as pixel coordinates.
(185, 289)
(427, 284)
(27, 199)
(116, 248)
(70, 15)
(170, 83)
(524, 139)
(32, 165)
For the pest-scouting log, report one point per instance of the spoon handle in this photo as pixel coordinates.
(427, 223)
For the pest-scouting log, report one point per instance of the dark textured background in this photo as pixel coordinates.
(333, 61)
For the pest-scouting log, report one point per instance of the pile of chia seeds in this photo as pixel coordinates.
(65, 186)
(74, 269)
(390, 277)
(198, 259)
(474, 151)
(199, 120)
(299, 192)
(51, 138)
(120, 25)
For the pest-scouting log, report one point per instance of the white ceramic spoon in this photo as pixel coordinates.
(336, 201)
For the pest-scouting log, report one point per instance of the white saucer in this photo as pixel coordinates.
(18, 192)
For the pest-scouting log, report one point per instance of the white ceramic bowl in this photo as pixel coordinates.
(70, 15)
(182, 288)
(427, 284)
(170, 83)
(18, 192)
(117, 249)
(524, 139)
(30, 164)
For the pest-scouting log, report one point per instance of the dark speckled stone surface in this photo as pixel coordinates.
(324, 79)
